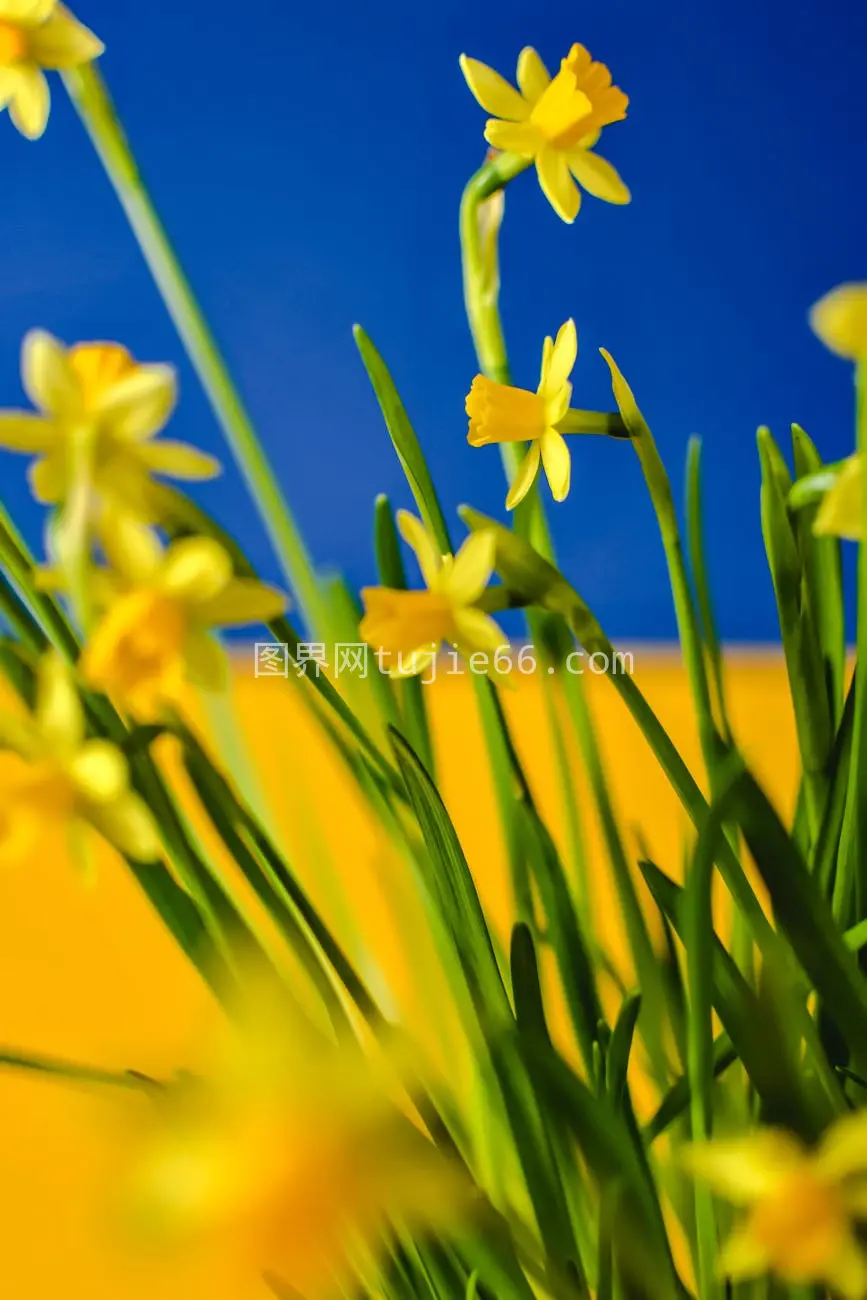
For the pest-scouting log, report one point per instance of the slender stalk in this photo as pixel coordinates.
(70, 1072)
(96, 110)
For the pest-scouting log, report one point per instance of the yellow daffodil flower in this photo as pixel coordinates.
(803, 1203)
(554, 123)
(286, 1153)
(841, 513)
(37, 35)
(161, 606)
(99, 412)
(500, 413)
(840, 321)
(53, 779)
(413, 624)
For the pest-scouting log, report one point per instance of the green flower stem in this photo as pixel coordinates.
(96, 110)
(481, 287)
(608, 423)
(73, 526)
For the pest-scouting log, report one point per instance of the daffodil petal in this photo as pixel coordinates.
(533, 77)
(195, 570)
(847, 1274)
(557, 184)
(58, 714)
(598, 177)
(30, 102)
(559, 360)
(47, 478)
(243, 601)
(177, 460)
(99, 772)
(476, 632)
(557, 462)
(64, 42)
(414, 662)
(29, 13)
(22, 431)
(743, 1255)
(840, 320)
(207, 662)
(472, 569)
(525, 476)
(493, 92)
(843, 1149)
(416, 536)
(841, 513)
(46, 374)
(512, 137)
(139, 405)
(131, 548)
(745, 1169)
(128, 824)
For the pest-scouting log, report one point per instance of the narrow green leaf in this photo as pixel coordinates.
(405, 442)
(698, 564)
(824, 574)
(804, 665)
(620, 1048)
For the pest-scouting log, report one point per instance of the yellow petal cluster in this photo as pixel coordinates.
(803, 1204)
(98, 411)
(161, 607)
(554, 122)
(501, 413)
(412, 625)
(290, 1152)
(55, 781)
(36, 35)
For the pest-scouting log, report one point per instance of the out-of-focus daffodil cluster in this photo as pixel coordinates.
(99, 412)
(840, 320)
(58, 784)
(38, 36)
(291, 1149)
(805, 1209)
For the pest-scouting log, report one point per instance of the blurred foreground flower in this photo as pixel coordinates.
(99, 412)
(804, 1204)
(500, 413)
(53, 779)
(161, 608)
(555, 123)
(412, 624)
(841, 513)
(840, 321)
(37, 35)
(290, 1153)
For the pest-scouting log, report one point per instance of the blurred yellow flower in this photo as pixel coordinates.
(841, 513)
(803, 1204)
(161, 606)
(500, 413)
(413, 624)
(554, 123)
(37, 35)
(840, 321)
(54, 779)
(290, 1153)
(98, 413)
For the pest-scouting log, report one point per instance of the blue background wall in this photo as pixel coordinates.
(308, 160)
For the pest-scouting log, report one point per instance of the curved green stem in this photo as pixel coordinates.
(96, 110)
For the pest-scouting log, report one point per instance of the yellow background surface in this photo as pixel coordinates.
(88, 973)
